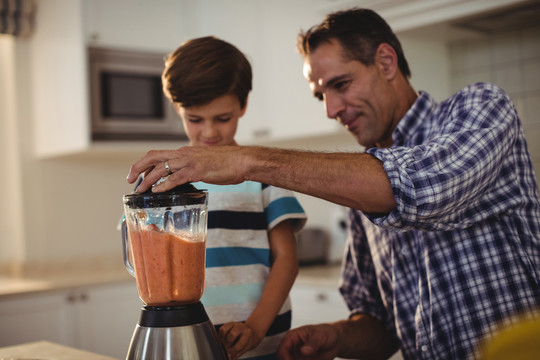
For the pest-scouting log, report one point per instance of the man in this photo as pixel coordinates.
(444, 241)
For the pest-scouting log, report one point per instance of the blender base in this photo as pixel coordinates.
(175, 333)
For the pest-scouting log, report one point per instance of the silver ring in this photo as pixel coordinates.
(167, 167)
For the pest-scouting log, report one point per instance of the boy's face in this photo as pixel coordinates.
(212, 124)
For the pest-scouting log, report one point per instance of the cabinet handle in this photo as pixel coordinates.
(74, 297)
(322, 297)
(261, 133)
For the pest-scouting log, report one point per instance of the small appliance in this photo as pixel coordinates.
(164, 238)
(126, 97)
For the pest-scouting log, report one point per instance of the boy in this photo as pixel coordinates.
(251, 246)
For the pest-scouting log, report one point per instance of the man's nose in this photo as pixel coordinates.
(334, 105)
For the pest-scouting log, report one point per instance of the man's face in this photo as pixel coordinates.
(356, 95)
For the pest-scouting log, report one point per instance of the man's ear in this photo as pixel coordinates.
(387, 61)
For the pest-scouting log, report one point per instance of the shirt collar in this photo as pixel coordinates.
(409, 124)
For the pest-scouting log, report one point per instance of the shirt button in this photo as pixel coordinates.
(424, 348)
(404, 251)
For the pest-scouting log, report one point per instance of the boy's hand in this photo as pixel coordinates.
(238, 338)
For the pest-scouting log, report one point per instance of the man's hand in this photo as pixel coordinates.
(216, 165)
(314, 342)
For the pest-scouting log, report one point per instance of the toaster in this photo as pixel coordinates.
(313, 246)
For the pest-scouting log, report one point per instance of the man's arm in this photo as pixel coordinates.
(355, 180)
(360, 337)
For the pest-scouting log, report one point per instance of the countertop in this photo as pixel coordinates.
(319, 275)
(62, 277)
(73, 277)
(47, 350)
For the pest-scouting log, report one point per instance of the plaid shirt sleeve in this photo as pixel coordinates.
(447, 180)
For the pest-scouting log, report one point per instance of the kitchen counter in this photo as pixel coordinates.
(49, 351)
(77, 276)
(62, 277)
(319, 275)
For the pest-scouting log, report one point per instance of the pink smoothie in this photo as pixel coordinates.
(169, 270)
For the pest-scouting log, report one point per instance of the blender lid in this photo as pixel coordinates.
(185, 194)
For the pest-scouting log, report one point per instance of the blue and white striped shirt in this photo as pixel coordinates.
(461, 253)
(238, 256)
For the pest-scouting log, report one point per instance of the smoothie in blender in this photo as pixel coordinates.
(169, 269)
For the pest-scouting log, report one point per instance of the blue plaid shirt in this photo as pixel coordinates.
(461, 253)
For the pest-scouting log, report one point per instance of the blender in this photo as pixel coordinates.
(164, 238)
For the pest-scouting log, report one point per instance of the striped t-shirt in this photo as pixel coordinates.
(238, 256)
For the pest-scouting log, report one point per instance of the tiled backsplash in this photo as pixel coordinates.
(511, 60)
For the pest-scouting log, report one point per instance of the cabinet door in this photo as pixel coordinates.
(145, 25)
(290, 109)
(28, 318)
(281, 106)
(107, 316)
(58, 79)
(316, 304)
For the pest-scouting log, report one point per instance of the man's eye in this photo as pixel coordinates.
(341, 85)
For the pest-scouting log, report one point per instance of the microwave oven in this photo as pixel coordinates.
(126, 97)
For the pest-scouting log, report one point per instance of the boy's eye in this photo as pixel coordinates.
(194, 120)
(224, 119)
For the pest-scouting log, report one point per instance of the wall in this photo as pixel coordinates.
(511, 60)
(10, 183)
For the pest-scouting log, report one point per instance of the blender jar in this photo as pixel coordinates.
(165, 244)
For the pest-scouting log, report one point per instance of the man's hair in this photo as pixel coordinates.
(359, 31)
(204, 69)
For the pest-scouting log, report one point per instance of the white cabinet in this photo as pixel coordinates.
(157, 26)
(313, 304)
(99, 319)
(47, 316)
(57, 60)
(281, 106)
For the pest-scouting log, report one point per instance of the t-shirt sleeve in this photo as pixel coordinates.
(280, 205)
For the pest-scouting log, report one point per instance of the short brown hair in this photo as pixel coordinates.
(205, 68)
(359, 31)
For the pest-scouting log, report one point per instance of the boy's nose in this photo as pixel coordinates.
(209, 130)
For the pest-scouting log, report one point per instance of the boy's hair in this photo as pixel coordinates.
(206, 68)
(359, 31)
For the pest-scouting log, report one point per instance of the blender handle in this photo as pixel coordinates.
(125, 245)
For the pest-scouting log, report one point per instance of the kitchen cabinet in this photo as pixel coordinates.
(313, 304)
(57, 62)
(99, 318)
(281, 106)
(156, 26)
